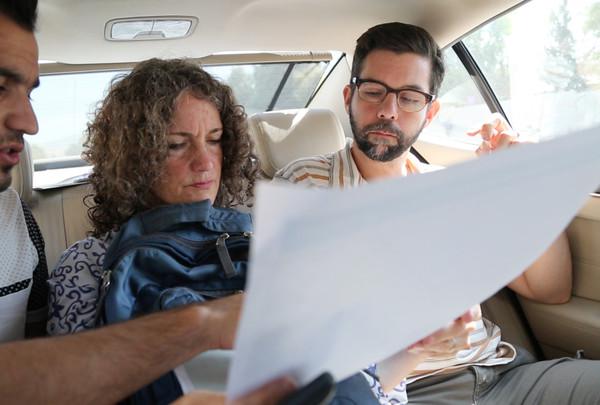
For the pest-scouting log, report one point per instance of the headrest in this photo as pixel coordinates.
(281, 137)
(22, 175)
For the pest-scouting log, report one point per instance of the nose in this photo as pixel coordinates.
(388, 108)
(202, 159)
(21, 118)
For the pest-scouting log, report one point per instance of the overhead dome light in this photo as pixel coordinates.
(149, 28)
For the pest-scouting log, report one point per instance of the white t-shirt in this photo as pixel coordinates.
(18, 260)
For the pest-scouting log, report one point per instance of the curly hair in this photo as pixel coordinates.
(127, 140)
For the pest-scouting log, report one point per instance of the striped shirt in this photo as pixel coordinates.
(338, 169)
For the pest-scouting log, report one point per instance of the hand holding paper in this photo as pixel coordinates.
(341, 279)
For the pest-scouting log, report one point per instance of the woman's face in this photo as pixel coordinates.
(192, 170)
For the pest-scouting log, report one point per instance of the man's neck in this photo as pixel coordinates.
(372, 170)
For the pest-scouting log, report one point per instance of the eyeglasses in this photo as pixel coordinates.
(409, 100)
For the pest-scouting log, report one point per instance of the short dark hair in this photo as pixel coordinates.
(400, 38)
(22, 12)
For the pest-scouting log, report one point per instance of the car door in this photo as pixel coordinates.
(539, 66)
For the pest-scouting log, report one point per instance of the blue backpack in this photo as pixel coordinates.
(171, 256)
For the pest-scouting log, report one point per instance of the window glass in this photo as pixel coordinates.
(300, 85)
(253, 85)
(543, 61)
(462, 106)
(65, 103)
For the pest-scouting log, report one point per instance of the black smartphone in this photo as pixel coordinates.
(317, 392)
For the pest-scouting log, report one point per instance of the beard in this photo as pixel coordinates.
(382, 151)
(5, 178)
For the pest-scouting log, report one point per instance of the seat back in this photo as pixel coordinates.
(22, 175)
(59, 212)
(281, 137)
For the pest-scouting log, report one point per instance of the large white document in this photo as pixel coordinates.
(342, 279)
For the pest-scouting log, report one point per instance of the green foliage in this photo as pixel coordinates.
(592, 23)
(488, 46)
(561, 71)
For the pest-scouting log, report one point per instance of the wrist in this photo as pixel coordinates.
(211, 323)
(200, 319)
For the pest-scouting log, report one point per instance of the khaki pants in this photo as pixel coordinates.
(524, 381)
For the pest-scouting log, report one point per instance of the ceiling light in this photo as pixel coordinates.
(149, 28)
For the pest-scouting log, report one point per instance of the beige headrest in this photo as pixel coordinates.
(22, 175)
(281, 137)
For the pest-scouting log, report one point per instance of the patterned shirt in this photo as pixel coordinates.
(23, 271)
(74, 286)
(338, 169)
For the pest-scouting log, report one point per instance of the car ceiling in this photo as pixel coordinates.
(72, 31)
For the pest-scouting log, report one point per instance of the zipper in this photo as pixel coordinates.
(105, 283)
(223, 253)
(142, 241)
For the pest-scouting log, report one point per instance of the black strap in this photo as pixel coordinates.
(39, 290)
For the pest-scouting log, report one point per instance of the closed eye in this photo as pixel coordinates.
(176, 146)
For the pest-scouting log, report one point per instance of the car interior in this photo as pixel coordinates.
(298, 54)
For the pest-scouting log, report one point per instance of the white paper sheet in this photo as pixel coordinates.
(341, 279)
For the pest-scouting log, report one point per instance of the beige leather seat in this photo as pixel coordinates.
(281, 137)
(22, 176)
(60, 212)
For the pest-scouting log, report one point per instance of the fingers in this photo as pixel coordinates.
(450, 339)
(446, 347)
(473, 314)
(495, 134)
(269, 394)
(494, 125)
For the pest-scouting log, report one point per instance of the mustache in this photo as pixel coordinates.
(383, 126)
(12, 137)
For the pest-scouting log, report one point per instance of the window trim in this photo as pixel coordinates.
(481, 83)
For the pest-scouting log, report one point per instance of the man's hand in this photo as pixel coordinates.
(221, 317)
(495, 134)
(445, 342)
(450, 339)
(268, 394)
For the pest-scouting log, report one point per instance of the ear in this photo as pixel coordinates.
(432, 111)
(347, 97)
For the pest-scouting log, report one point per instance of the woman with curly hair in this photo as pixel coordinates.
(166, 133)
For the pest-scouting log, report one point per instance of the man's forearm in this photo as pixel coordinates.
(549, 278)
(104, 365)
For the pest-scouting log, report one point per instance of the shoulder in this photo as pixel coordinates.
(86, 254)
(312, 171)
(73, 286)
(10, 205)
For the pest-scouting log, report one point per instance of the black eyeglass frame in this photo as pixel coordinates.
(357, 81)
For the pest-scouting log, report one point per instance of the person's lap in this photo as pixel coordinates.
(559, 381)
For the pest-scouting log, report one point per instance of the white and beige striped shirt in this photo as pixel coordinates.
(338, 169)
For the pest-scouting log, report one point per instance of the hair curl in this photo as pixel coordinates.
(400, 38)
(127, 141)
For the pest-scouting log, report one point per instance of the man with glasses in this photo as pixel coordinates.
(397, 72)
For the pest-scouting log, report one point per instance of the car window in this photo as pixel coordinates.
(543, 62)
(65, 103)
(462, 106)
